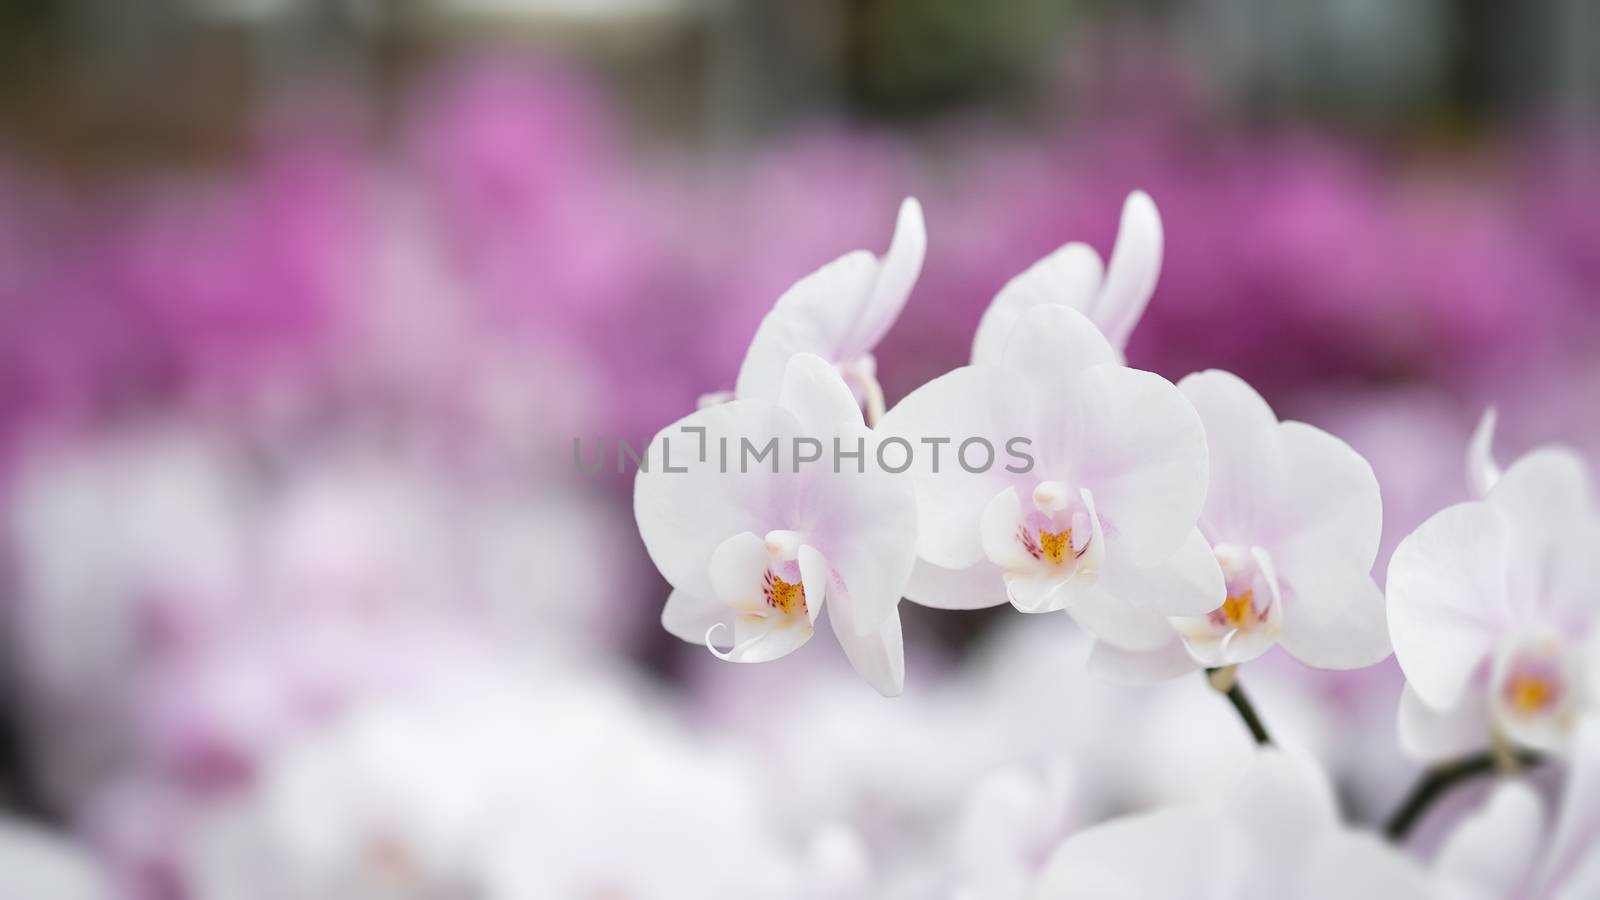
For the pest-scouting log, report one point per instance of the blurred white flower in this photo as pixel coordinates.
(174, 602)
(839, 312)
(1012, 821)
(1278, 836)
(515, 785)
(36, 864)
(1492, 609)
(1100, 520)
(1294, 518)
(1112, 297)
(122, 550)
(754, 554)
(1508, 849)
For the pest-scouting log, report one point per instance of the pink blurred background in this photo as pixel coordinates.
(303, 304)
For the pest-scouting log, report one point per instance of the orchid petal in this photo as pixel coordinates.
(1570, 856)
(1068, 277)
(1482, 471)
(1039, 591)
(1114, 620)
(865, 523)
(1357, 636)
(814, 577)
(1546, 499)
(998, 528)
(975, 401)
(1446, 588)
(738, 566)
(1236, 422)
(816, 315)
(1325, 516)
(814, 393)
(759, 639)
(1431, 734)
(1282, 804)
(1189, 583)
(1113, 861)
(1361, 865)
(1052, 345)
(685, 513)
(1491, 853)
(897, 273)
(1112, 663)
(1135, 441)
(688, 617)
(878, 655)
(1132, 272)
(978, 586)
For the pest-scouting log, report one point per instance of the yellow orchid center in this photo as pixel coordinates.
(1240, 609)
(1529, 693)
(786, 597)
(1055, 545)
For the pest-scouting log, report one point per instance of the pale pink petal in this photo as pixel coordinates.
(1170, 660)
(1115, 621)
(897, 273)
(688, 618)
(1188, 853)
(1283, 806)
(683, 515)
(1482, 470)
(1447, 599)
(816, 315)
(815, 576)
(1325, 518)
(814, 393)
(1357, 637)
(1570, 860)
(1052, 345)
(738, 568)
(1133, 270)
(998, 526)
(1491, 853)
(1427, 733)
(1188, 583)
(978, 586)
(1134, 440)
(1038, 591)
(1350, 864)
(878, 655)
(1236, 420)
(1068, 277)
(865, 523)
(976, 401)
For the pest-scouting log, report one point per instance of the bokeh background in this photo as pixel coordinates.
(303, 304)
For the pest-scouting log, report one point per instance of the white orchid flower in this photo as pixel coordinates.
(1101, 524)
(1112, 296)
(839, 312)
(1278, 836)
(1293, 516)
(1492, 609)
(1508, 849)
(753, 555)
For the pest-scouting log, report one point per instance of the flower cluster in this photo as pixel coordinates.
(1182, 527)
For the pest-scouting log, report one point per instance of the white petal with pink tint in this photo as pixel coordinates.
(753, 554)
(1446, 599)
(1113, 297)
(838, 312)
(1068, 277)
